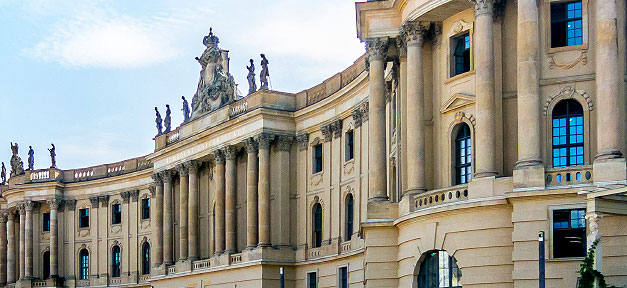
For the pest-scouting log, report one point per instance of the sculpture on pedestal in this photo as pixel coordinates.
(17, 166)
(31, 158)
(53, 156)
(158, 120)
(216, 87)
(252, 86)
(3, 174)
(263, 77)
(168, 119)
(185, 110)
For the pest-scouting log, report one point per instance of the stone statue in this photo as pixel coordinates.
(263, 77)
(31, 158)
(158, 121)
(168, 119)
(252, 86)
(53, 156)
(216, 86)
(17, 166)
(185, 110)
(3, 174)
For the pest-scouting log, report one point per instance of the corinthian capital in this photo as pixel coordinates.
(401, 46)
(303, 140)
(183, 170)
(284, 142)
(251, 145)
(230, 152)
(218, 156)
(377, 48)
(54, 203)
(483, 7)
(264, 140)
(413, 33)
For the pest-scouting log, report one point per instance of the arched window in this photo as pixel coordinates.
(317, 225)
(116, 263)
(463, 155)
(46, 264)
(84, 264)
(438, 270)
(349, 217)
(146, 259)
(567, 134)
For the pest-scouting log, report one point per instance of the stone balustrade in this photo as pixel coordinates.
(82, 283)
(236, 258)
(440, 196)
(144, 278)
(201, 264)
(346, 247)
(574, 175)
(173, 136)
(171, 269)
(40, 175)
(336, 82)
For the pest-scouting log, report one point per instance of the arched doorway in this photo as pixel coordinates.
(437, 269)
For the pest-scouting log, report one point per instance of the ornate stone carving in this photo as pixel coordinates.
(377, 48)
(17, 166)
(327, 132)
(29, 205)
(413, 32)
(21, 208)
(54, 203)
(583, 58)
(264, 140)
(167, 122)
(568, 92)
(134, 195)
(364, 110)
(252, 85)
(251, 145)
(166, 175)
(303, 140)
(158, 121)
(183, 170)
(3, 174)
(126, 196)
(153, 191)
(94, 201)
(218, 156)
(483, 7)
(156, 177)
(263, 77)
(336, 127)
(31, 158)
(193, 166)
(70, 204)
(230, 152)
(104, 200)
(436, 33)
(357, 117)
(284, 142)
(53, 156)
(401, 46)
(4, 218)
(185, 110)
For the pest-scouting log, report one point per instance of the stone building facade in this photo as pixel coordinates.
(433, 161)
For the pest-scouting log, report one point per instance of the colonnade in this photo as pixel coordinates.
(16, 244)
(225, 177)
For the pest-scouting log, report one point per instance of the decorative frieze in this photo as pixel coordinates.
(302, 140)
(377, 48)
(284, 142)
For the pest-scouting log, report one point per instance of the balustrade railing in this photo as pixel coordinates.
(39, 283)
(236, 258)
(40, 175)
(572, 175)
(345, 247)
(201, 264)
(82, 283)
(171, 269)
(440, 196)
(115, 281)
(144, 278)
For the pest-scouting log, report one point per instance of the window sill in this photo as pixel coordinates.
(566, 259)
(459, 76)
(553, 50)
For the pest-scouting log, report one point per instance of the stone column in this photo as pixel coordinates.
(607, 83)
(157, 214)
(168, 218)
(230, 152)
(192, 211)
(251, 193)
(264, 189)
(377, 53)
(183, 194)
(22, 260)
(484, 89)
(3, 248)
(413, 33)
(401, 46)
(28, 240)
(11, 253)
(283, 147)
(54, 237)
(219, 179)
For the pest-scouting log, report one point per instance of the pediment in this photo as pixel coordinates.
(457, 101)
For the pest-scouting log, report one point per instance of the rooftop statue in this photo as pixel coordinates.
(17, 166)
(185, 110)
(216, 87)
(53, 156)
(158, 120)
(263, 77)
(252, 86)
(3, 174)
(31, 158)
(168, 118)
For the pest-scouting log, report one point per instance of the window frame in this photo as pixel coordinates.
(579, 96)
(550, 211)
(83, 266)
(548, 29)
(81, 217)
(316, 240)
(340, 278)
(116, 262)
(349, 145)
(450, 259)
(456, 147)
(315, 276)
(145, 256)
(349, 214)
(116, 216)
(145, 215)
(457, 29)
(45, 225)
(454, 40)
(314, 159)
(568, 145)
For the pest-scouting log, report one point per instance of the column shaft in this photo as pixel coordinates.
(28, 273)
(192, 216)
(251, 194)
(484, 86)
(231, 200)
(219, 213)
(168, 219)
(157, 214)
(183, 196)
(264, 189)
(11, 255)
(54, 238)
(22, 260)
(3, 248)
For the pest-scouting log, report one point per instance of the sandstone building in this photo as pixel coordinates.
(433, 161)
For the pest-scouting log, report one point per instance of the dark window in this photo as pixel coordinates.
(312, 280)
(116, 214)
(83, 218)
(46, 223)
(567, 134)
(84, 262)
(317, 158)
(461, 54)
(439, 270)
(463, 155)
(566, 24)
(145, 208)
(349, 146)
(349, 217)
(116, 263)
(569, 233)
(343, 277)
(146, 259)
(317, 225)
(46, 264)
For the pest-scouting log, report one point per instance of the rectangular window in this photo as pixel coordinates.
(461, 54)
(145, 208)
(312, 280)
(83, 218)
(46, 224)
(349, 146)
(317, 158)
(343, 277)
(569, 233)
(566, 24)
(116, 214)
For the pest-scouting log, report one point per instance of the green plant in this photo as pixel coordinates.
(588, 275)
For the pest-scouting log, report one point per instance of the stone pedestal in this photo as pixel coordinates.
(530, 177)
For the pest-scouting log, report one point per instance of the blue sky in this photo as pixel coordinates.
(87, 74)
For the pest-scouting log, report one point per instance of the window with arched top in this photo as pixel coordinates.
(438, 269)
(116, 261)
(145, 259)
(317, 226)
(568, 134)
(349, 217)
(84, 264)
(46, 265)
(463, 155)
